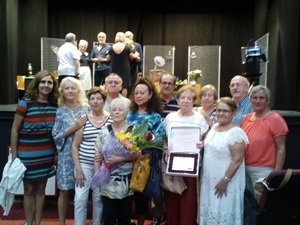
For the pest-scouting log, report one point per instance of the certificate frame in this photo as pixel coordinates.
(184, 139)
(188, 166)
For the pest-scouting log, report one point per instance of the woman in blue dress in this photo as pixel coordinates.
(70, 117)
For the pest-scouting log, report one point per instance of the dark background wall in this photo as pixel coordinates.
(215, 22)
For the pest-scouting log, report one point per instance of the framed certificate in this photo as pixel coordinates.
(185, 164)
(184, 139)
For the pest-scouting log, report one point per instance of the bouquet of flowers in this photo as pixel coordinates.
(138, 140)
(122, 144)
(194, 75)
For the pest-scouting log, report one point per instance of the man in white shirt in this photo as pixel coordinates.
(68, 58)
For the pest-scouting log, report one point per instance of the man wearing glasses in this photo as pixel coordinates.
(239, 88)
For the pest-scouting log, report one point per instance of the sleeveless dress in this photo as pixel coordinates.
(120, 64)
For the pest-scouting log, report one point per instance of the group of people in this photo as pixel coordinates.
(124, 57)
(241, 140)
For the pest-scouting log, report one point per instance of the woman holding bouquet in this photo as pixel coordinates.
(83, 153)
(146, 105)
(117, 166)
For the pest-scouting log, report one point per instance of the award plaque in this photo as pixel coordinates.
(185, 164)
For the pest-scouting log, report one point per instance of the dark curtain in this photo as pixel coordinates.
(183, 27)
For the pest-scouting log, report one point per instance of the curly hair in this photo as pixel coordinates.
(154, 103)
(32, 91)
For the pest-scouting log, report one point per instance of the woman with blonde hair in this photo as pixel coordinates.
(70, 117)
(119, 55)
(208, 96)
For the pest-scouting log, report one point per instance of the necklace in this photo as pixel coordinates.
(97, 121)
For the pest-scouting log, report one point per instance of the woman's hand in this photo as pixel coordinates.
(221, 188)
(80, 122)
(79, 178)
(98, 157)
(200, 144)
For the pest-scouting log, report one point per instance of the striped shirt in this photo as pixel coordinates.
(244, 107)
(87, 146)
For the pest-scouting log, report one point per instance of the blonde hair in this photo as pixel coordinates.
(120, 37)
(81, 97)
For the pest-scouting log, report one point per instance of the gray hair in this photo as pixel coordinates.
(121, 101)
(260, 88)
(83, 42)
(70, 37)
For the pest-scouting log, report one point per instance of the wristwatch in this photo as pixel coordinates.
(227, 179)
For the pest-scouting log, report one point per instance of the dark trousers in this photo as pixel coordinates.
(100, 76)
(117, 211)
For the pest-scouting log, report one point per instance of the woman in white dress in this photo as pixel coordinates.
(85, 76)
(223, 169)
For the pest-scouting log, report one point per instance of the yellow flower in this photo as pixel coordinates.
(138, 139)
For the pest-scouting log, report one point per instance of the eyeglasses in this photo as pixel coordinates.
(225, 111)
(166, 83)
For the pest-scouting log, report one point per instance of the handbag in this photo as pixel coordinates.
(153, 186)
(262, 183)
(140, 173)
(170, 183)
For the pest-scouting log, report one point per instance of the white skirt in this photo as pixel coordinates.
(85, 77)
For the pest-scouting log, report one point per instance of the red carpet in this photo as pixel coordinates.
(50, 216)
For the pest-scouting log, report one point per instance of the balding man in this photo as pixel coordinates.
(239, 88)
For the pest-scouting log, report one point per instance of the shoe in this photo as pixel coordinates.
(157, 220)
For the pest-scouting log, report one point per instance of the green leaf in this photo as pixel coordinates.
(141, 129)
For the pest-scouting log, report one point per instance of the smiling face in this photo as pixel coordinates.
(224, 113)
(259, 101)
(167, 85)
(46, 85)
(70, 90)
(238, 88)
(186, 100)
(142, 95)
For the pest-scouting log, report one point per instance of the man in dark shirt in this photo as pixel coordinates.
(98, 56)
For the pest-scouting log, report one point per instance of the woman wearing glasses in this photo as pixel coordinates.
(223, 169)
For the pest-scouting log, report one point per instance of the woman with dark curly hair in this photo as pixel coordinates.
(146, 105)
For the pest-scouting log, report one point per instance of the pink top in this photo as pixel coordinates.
(261, 150)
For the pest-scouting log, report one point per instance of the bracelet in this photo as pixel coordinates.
(227, 179)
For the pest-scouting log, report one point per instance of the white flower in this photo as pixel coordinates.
(159, 61)
(195, 74)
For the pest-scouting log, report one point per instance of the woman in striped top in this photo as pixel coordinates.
(32, 143)
(83, 152)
